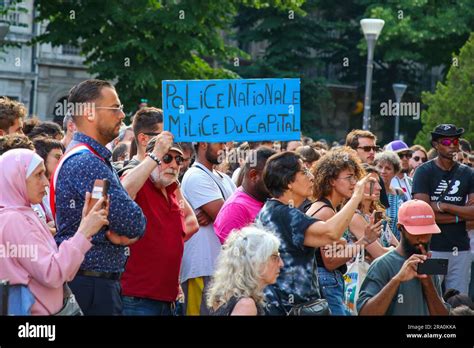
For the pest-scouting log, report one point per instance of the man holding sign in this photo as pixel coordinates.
(212, 112)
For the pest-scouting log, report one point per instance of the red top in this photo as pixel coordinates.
(152, 269)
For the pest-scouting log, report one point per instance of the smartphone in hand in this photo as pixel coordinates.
(433, 267)
(378, 216)
(100, 189)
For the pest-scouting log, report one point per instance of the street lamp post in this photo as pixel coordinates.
(371, 28)
(3, 30)
(399, 90)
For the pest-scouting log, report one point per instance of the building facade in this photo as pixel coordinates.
(40, 76)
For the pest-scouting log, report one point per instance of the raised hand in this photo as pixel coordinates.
(94, 219)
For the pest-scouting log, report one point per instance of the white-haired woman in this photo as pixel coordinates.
(389, 165)
(249, 261)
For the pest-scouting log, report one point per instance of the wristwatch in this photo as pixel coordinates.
(154, 158)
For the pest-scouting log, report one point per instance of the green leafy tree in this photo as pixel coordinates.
(417, 35)
(424, 31)
(142, 42)
(294, 48)
(452, 100)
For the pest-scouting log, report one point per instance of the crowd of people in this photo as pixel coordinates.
(253, 228)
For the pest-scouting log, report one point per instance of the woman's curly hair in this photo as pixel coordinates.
(330, 166)
(243, 259)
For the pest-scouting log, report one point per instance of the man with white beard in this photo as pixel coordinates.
(150, 283)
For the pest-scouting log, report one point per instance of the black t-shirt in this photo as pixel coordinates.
(298, 279)
(432, 180)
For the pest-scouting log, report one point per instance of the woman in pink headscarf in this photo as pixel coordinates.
(41, 265)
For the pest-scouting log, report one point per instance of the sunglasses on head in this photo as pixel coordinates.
(448, 142)
(405, 154)
(169, 158)
(368, 148)
(418, 158)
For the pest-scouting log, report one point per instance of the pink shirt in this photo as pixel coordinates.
(29, 255)
(238, 211)
(32, 258)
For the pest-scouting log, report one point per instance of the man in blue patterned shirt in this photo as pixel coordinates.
(98, 120)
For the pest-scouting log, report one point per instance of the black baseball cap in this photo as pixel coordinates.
(446, 130)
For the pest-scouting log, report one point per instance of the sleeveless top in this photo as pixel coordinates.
(319, 259)
(227, 308)
(384, 239)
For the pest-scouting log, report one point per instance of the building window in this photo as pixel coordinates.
(71, 50)
(12, 15)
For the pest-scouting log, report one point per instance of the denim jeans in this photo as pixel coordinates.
(145, 306)
(332, 288)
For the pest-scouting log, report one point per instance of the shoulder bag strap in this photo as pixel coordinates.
(217, 183)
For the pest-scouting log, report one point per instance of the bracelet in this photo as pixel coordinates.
(438, 206)
(457, 219)
(154, 158)
(365, 239)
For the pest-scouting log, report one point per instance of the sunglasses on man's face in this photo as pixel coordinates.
(448, 142)
(152, 134)
(169, 158)
(369, 148)
(418, 158)
(405, 154)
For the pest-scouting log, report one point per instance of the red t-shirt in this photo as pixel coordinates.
(152, 269)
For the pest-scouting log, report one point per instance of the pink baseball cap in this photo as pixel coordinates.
(417, 217)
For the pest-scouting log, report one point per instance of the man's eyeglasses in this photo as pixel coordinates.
(369, 148)
(448, 142)
(306, 172)
(169, 158)
(351, 178)
(119, 108)
(405, 154)
(418, 158)
(151, 134)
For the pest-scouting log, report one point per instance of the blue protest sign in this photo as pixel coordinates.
(232, 110)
